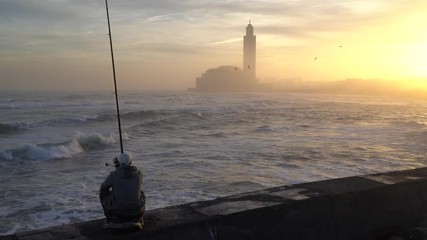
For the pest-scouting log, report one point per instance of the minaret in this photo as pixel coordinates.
(249, 54)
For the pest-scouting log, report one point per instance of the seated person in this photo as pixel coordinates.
(121, 194)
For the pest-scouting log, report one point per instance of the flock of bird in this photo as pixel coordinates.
(316, 57)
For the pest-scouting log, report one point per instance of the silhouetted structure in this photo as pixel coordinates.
(249, 54)
(232, 78)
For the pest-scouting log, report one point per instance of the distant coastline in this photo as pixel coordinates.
(349, 86)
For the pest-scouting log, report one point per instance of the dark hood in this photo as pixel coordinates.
(127, 171)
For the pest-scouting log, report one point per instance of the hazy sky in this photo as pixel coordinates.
(166, 44)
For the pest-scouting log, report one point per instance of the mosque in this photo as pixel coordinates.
(233, 78)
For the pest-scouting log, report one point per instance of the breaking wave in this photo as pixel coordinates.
(82, 142)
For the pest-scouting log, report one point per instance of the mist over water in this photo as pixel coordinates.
(191, 146)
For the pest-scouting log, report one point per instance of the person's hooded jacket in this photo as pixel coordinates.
(127, 190)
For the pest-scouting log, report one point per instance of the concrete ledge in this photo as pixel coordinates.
(362, 207)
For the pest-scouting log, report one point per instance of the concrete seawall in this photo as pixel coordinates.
(361, 207)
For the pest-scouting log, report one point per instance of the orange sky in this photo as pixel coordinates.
(159, 45)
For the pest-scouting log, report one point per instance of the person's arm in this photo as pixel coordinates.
(105, 186)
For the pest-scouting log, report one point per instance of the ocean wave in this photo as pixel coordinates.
(132, 115)
(13, 128)
(8, 128)
(162, 114)
(160, 117)
(217, 135)
(174, 120)
(7, 106)
(64, 121)
(143, 114)
(81, 142)
(265, 129)
(32, 105)
(414, 124)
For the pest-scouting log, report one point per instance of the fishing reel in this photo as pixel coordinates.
(115, 163)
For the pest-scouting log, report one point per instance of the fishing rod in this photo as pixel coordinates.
(114, 77)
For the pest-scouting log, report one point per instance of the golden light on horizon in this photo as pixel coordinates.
(396, 50)
(411, 47)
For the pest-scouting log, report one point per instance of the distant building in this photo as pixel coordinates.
(249, 54)
(221, 79)
(232, 78)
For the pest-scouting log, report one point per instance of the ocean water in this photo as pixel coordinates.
(191, 146)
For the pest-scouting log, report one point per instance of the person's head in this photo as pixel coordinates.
(125, 159)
